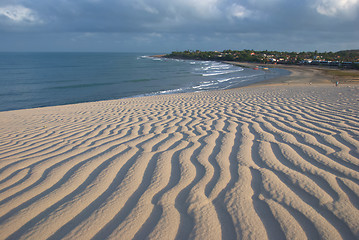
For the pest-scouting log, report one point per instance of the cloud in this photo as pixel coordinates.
(201, 8)
(18, 14)
(338, 8)
(238, 11)
(180, 9)
(176, 15)
(237, 22)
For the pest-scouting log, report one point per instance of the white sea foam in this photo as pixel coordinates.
(171, 91)
(150, 57)
(244, 77)
(214, 73)
(216, 68)
(211, 71)
(226, 80)
(203, 85)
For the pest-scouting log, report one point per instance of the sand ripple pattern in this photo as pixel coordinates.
(254, 163)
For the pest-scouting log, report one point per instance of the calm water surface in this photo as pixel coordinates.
(29, 80)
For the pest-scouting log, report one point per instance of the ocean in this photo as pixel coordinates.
(29, 80)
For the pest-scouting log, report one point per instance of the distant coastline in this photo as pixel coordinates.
(302, 71)
(348, 59)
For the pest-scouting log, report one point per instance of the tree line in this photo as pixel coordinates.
(347, 57)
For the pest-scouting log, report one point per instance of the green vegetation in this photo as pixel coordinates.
(343, 59)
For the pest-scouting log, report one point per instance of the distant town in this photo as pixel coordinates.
(342, 59)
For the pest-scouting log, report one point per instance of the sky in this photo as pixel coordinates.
(163, 26)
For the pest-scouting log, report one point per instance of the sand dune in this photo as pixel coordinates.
(273, 162)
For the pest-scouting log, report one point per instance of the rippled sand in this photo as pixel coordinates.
(279, 162)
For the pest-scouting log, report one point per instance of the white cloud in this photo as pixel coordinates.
(337, 8)
(205, 8)
(238, 11)
(19, 14)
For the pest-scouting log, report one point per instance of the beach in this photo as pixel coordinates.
(275, 160)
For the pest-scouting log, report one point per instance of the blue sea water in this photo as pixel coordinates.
(29, 80)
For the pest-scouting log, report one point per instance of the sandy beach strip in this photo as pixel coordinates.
(305, 74)
(263, 162)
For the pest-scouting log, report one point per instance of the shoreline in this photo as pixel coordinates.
(153, 93)
(306, 75)
(299, 75)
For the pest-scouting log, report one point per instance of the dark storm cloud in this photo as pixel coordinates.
(213, 22)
